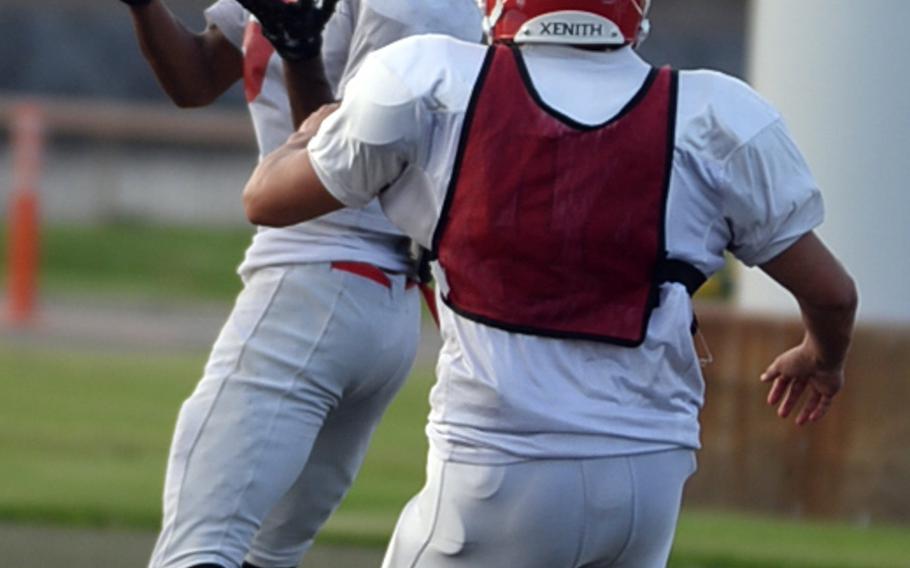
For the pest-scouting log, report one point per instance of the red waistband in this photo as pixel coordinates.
(369, 272)
(375, 274)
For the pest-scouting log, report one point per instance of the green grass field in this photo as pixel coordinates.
(84, 436)
(83, 439)
(140, 262)
(172, 263)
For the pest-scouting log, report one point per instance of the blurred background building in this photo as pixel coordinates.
(119, 150)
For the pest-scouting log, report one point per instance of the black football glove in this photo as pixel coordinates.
(136, 2)
(294, 28)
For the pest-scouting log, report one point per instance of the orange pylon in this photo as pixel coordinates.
(23, 253)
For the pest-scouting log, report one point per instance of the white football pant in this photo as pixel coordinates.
(616, 512)
(278, 426)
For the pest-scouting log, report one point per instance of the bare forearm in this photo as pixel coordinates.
(285, 189)
(827, 297)
(829, 328)
(183, 62)
(271, 189)
(826, 294)
(308, 87)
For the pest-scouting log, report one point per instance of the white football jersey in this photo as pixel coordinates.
(738, 182)
(361, 234)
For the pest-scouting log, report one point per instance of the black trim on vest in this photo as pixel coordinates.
(662, 253)
(681, 272)
(673, 270)
(672, 112)
(567, 120)
(527, 330)
(466, 127)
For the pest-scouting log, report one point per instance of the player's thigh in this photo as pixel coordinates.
(223, 422)
(244, 435)
(255, 399)
(527, 514)
(658, 480)
(290, 528)
(375, 332)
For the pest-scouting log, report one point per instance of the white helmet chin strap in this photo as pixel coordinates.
(645, 27)
(490, 20)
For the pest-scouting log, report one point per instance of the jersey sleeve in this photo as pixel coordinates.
(336, 42)
(368, 144)
(229, 17)
(770, 197)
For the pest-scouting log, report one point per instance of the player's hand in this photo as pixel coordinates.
(137, 2)
(311, 125)
(800, 372)
(294, 27)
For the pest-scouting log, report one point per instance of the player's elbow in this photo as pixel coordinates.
(847, 300)
(186, 90)
(268, 206)
(190, 98)
(284, 190)
(186, 102)
(257, 206)
(839, 297)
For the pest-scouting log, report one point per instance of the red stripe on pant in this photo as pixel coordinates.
(364, 270)
(375, 274)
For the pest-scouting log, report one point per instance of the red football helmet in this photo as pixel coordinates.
(578, 22)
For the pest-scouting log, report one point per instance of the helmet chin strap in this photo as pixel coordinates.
(490, 20)
(644, 29)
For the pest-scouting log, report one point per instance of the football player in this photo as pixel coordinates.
(574, 197)
(326, 327)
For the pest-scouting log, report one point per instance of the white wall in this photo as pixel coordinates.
(839, 70)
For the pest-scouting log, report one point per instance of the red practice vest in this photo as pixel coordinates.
(551, 227)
